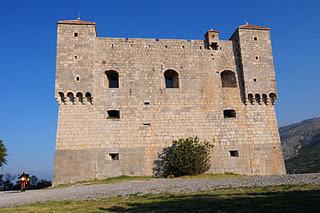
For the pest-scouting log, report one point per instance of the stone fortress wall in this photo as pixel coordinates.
(116, 112)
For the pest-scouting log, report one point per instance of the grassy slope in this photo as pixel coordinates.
(298, 198)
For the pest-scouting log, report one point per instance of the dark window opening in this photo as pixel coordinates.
(113, 114)
(171, 79)
(255, 38)
(75, 34)
(229, 113)
(114, 156)
(75, 57)
(113, 78)
(258, 98)
(255, 80)
(146, 124)
(273, 97)
(265, 98)
(77, 78)
(146, 103)
(228, 79)
(250, 98)
(70, 96)
(234, 153)
(79, 97)
(214, 45)
(257, 58)
(62, 98)
(88, 97)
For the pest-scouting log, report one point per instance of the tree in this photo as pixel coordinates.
(3, 154)
(186, 156)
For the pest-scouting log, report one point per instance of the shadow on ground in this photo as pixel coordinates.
(293, 201)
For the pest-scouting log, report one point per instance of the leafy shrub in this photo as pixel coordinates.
(186, 156)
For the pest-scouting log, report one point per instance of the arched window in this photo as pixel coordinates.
(88, 97)
(228, 79)
(265, 98)
(70, 96)
(258, 98)
(62, 98)
(250, 98)
(171, 79)
(273, 97)
(79, 97)
(113, 78)
(229, 113)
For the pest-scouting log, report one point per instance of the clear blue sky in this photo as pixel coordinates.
(28, 111)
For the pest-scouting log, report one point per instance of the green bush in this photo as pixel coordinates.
(186, 156)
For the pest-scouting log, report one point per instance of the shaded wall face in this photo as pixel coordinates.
(151, 115)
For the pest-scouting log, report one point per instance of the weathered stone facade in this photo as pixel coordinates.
(223, 91)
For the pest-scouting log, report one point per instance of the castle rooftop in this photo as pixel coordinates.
(254, 27)
(77, 22)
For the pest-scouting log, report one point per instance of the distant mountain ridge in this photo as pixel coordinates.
(301, 146)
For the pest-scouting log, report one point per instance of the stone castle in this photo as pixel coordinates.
(122, 100)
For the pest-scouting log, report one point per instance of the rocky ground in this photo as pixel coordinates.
(153, 186)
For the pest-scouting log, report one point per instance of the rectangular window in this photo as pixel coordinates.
(114, 156)
(234, 153)
(113, 114)
(229, 113)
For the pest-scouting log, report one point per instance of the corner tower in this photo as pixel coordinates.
(255, 68)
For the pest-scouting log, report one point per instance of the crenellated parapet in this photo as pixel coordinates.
(74, 98)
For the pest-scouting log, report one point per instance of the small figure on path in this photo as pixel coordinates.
(24, 181)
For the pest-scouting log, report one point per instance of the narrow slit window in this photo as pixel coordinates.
(114, 156)
(234, 153)
(113, 114)
(229, 113)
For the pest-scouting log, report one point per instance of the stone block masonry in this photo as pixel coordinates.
(122, 100)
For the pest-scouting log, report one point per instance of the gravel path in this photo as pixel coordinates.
(154, 186)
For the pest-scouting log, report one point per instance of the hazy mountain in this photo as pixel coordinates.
(301, 146)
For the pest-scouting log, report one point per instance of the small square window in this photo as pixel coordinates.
(255, 38)
(114, 156)
(77, 78)
(234, 153)
(75, 34)
(255, 80)
(257, 58)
